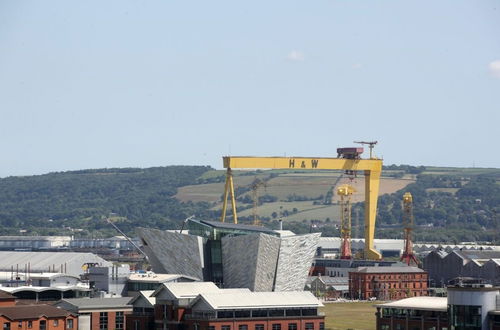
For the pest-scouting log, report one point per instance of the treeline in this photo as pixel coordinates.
(46, 204)
(446, 208)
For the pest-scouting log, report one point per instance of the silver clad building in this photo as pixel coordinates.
(234, 256)
(173, 253)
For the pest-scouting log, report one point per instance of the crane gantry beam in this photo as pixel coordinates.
(372, 169)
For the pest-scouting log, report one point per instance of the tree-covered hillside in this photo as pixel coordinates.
(450, 205)
(66, 202)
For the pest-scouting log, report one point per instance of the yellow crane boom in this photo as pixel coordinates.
(372, 169)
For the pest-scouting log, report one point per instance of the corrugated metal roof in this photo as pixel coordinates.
(251, 300)
(419, 303)
(44, 260)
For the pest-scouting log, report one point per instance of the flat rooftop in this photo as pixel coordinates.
(419, 303)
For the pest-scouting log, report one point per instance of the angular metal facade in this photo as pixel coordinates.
(249, 261)
(173, 253)
(294, 261)
(259, 262)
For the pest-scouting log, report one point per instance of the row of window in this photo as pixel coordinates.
(275, 326)
(119, 321)
(411, 285)
(393, 277)
(42, 325)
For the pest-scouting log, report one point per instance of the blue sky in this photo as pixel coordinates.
(91, 84)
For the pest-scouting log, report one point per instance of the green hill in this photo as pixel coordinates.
(451, 204)
(75, 202)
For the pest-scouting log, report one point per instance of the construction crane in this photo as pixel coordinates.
(345, 192)
(371, 145)
(348, 159)
(256, 184)
(408, 255)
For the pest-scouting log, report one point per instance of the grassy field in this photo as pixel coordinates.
(355, 315)
(307, 184)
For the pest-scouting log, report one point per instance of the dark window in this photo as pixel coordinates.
(276, 326)
(292, 326)
(30, 324)
(6, 326)
(259, 327)
(277, 312)
(259, 313)
(293, 312)
(241, 314)
(309, 312)
(43, 325)
(225, 315)
(211, 327)
(242, 327)
(103, 320)
(225, 327)
(119, 321)
(321, 325)
(69, 324)
(309, 326)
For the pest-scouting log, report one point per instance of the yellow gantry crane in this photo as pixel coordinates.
(348, 159)
(345, 192)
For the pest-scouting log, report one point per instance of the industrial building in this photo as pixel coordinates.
(53, 262)
(445, 266)
(232, 255)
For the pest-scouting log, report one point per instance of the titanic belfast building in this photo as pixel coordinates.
(232, 255)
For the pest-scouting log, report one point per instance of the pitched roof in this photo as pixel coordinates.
(479, 254)
(93, 303)
(183, 290)
(146, 296)
(251, 300)
(22, 312)
(394, 269)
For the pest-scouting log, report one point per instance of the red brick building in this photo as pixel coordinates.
(183, 306)
(99, 313)
(387, 283)
(39, 316)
